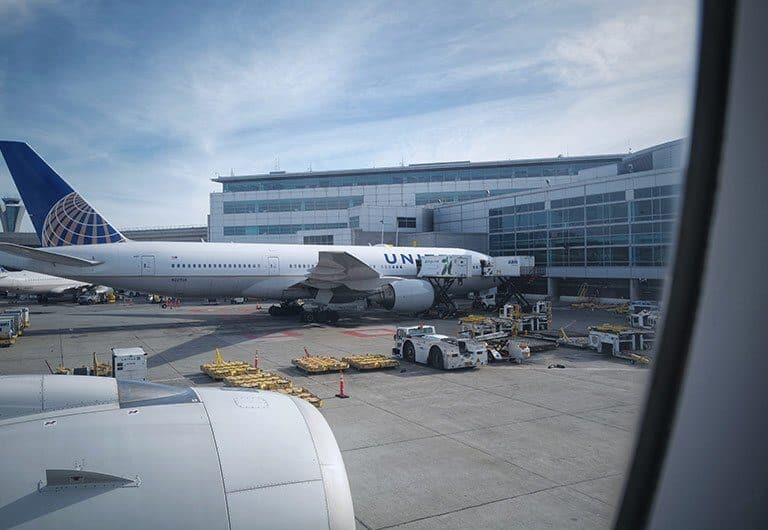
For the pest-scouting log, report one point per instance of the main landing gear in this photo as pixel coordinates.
(321, 316)
(285, 310)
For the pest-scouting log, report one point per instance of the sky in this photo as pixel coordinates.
(139, 104)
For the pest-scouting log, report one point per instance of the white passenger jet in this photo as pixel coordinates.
(80, 244)
(42, 285)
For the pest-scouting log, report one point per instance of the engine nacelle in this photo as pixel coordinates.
(92, 450)
(408, 296)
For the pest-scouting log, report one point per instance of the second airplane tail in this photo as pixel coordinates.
(60, 215)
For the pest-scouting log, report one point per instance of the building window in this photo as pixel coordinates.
(354, 221)
(292, 205)
(260, 230)
(406, 222)
(318, 240)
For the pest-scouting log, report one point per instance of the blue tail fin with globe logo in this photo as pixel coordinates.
(60, 215)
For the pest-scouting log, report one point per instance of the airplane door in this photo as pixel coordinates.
(147, 265)
(273, 266)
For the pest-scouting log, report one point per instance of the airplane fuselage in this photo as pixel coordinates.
(228, 269)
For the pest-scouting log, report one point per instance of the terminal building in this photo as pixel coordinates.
(607, 237)
(374, 205)
(597, 225)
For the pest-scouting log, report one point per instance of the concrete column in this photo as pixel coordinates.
(634, 289)
(553, 289)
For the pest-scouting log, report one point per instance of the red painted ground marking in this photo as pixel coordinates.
(370, 332)
(275, 335)
(223, 310)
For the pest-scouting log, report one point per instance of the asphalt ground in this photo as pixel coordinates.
(502, 446)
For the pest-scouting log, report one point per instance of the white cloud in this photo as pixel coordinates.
(351, 87)
(638, 42)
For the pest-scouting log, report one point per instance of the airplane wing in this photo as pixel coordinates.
(69, 287)
(337, 269)
(44, 255)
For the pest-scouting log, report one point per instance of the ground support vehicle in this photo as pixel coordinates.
(7, 331)
(91, 298)
(24, 312)
(18, 321)
(644, 319)
(422, 345)
(621, 341)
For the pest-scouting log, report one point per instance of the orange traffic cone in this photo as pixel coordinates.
(341, 393)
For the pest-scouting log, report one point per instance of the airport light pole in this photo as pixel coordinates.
(382, 230)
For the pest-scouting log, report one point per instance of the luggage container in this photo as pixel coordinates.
(24, 312)
(18, 317)
(129, 363)
(7, 331)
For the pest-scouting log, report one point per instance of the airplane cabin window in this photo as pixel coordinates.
(494, 188)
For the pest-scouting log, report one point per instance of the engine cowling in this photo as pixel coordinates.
(93, 449)
(408, 296)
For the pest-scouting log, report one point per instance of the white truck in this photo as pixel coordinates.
(422, 344)
(485, 300)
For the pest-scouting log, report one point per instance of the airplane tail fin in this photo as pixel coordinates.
(60, 215)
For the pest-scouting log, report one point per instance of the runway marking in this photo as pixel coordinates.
(370, 332)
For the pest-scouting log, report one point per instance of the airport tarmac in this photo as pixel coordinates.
(502, 446)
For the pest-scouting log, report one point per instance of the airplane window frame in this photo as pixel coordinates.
(715, 43)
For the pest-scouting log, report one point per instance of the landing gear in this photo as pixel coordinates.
(286, 310)
(321, 316)
(307, 316)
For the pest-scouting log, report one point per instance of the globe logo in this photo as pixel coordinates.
(72, 221)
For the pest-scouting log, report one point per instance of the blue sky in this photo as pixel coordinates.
(138, 104)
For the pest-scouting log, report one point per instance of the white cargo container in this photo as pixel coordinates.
(129, 363)
(511, 266)
(444, 266)
(7, 331)
(24, 312)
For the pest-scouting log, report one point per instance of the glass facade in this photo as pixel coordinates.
(318, 240)
(278, 229)
(406, 222)
(604, 229)
(292, 205)
(456, 196)
(415, 175)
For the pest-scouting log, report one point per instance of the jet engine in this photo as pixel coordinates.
(408, 296)
(92, 452)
